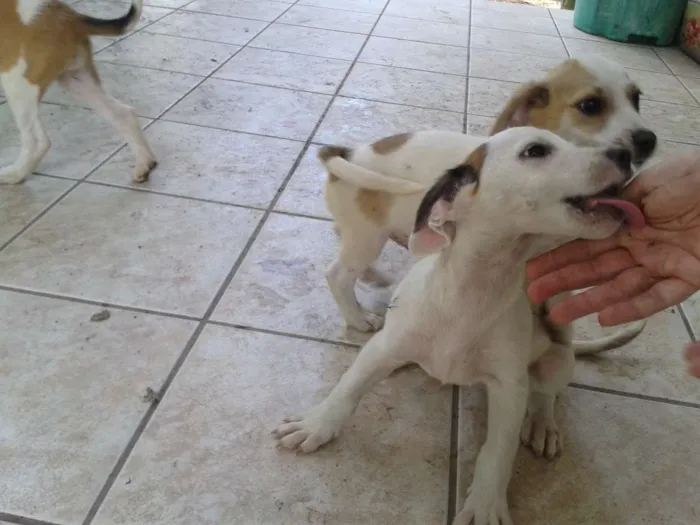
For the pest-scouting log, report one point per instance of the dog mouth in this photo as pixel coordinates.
(609, 203)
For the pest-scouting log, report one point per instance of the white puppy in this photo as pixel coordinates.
(462, 312)
(374, 190)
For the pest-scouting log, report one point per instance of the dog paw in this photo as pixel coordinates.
(480, 509)
(369, 322)
(143, 170)
(307, 433)
(12, 176)
(541, 435)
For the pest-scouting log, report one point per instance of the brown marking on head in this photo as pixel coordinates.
(375, 205)
(562, 92)
(53, 41)
(326, 153)
(475, 161)
(390, 144)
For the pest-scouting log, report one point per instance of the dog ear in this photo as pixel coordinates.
(517, 111)
(435, 222)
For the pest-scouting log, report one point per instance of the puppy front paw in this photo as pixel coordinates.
(143, 170)
(308, 433)
(541, 434)
(482, 508)
(368, 322)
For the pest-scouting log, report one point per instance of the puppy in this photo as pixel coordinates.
(42, 41)
(373, 191)
(462, 312)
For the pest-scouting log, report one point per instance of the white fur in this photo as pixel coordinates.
(419, 161)
(23, 99)
(28, 9)
(463, 315)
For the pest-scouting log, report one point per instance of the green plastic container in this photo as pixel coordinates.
(649, 22)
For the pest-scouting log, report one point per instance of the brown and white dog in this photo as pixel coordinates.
(42, 41)
(373, 191)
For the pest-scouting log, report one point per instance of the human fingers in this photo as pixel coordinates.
(567, 254)
(692, 355)
(622, 288)
(660, 296)
(580, 275)
(658, 176)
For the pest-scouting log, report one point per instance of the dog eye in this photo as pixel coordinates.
(591, 106)
(536, 151)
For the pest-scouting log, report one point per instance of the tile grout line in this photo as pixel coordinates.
(687, 89)
(634, 395)
(23, 520)
(97, 504)
(687, 323)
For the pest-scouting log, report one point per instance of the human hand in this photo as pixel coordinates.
(639, 271)
(692, 355)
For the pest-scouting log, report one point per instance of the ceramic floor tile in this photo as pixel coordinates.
(678, 62)
(324, 18)
(415, 55)
(497, 65)
(251, 108)
(204, 26)
(171, 53)
(310, 41)
(361, 6)
(81, 139)
(207, 456)
(355, 121)
(304, 193)
(452, 14)
(514, 42)
(505, 7)
(229, 167)
(636, 57)
(405, 86)
(673, 121)
(624, 462)
(148, 91)
(671, 150)
(691, 307)
(257, 10)
(692, 84)
(489, 97)
(566, 29)
(541, 24)
(661, 87)
(479, 125)
(22, 202)
(173, 4)
(286, 70)
(422, 30)
(651, 364)
(560, 14)
(72, 396)
(281, 285)
(174, 257)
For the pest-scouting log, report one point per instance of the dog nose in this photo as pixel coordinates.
(644, 142)
(621, 157)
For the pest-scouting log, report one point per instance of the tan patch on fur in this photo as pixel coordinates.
(374, 205)
(545, 104)
(389, 144)
(476, 160)
(326, 153)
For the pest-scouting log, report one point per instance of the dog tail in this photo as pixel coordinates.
(335, 159)
(115, 26)
(619, 338)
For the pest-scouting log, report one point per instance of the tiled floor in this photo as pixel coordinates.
(213, 275)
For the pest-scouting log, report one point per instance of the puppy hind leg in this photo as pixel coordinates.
(376, 361)
(84, 84)
(357, 253)
(23, 98)
(549, 376)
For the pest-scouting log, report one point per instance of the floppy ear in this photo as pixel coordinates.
(435, 222)
(517, 111)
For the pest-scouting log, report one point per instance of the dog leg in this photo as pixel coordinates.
(23, 99)
(307, 433)
(84, 84)
(356, 256)
(486, 503)
(549, 376)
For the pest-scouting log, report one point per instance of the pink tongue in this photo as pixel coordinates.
(633, 215)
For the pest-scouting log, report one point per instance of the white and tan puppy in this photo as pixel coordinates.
(462, 312)
(42, 41)
(373, 191)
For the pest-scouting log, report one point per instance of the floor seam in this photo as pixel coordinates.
(634, 395)
(23, 520)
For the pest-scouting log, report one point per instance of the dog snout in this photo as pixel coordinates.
(644, 142)
(622, 158)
